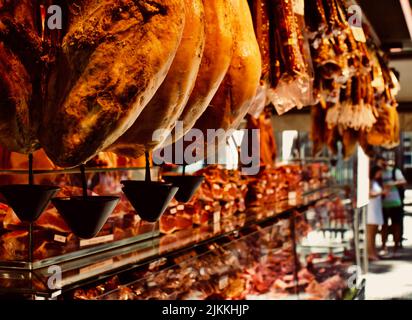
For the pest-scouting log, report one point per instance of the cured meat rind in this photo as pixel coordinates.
(170, 99)
(21, 64)
(215, 63)
(113, 58)
(237, 91)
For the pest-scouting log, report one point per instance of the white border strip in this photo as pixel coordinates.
(407, 12)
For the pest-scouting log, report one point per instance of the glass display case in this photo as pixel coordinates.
(52, 240)
(226, 207)
(271, 259)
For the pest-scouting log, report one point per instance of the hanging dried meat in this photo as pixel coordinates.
(363, 143)
(349, 142)
(315, 18)
(355, 110)
(20, 76)
(215, 63)
(353, 83)
(292, 71)
(238, 90)
(267, 141)
(172, 96)
(386, 130)
(113, 58)
(261, 23)
(260, 16)
(319, 129)
(333, 137)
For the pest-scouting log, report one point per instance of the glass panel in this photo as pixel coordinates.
(51, 235)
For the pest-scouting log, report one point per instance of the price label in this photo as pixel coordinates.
(59, 238)
(180, 207)
(292, 198)
(98, 240)
(173, 211)
(299, 7)
(216, 217)
(358, 34)
(216, 222)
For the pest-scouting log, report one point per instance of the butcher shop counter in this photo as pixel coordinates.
(116, 268)
(261, 260)
(225, 196)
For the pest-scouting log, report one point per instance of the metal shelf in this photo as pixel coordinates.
(68, 171)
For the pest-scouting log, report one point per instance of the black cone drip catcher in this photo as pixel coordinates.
(187, 185)
(28, 202)
(149, 198)
(86, 215)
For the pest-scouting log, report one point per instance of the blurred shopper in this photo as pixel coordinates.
(392, 204)
(375, 215)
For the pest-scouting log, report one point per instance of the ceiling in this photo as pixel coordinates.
(389, 23)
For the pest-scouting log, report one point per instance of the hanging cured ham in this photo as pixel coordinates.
(215, 62)
(113, 58)
(169, 101)
(235, 95)
(15, 96)
(20, 76)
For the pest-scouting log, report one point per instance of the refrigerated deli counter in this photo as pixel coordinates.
(286, 233)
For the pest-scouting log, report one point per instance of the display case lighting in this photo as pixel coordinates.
(395, 50)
